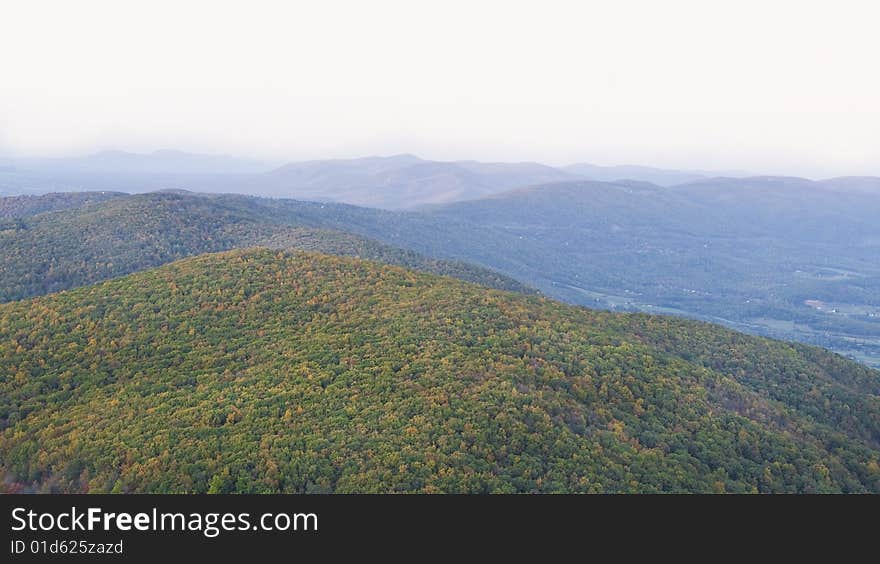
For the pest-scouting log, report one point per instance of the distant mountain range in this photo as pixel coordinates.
(398, 181)
(658, 176)
(394, 182)
(402, 180)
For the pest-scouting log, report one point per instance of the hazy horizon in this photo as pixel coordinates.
(273, 162)
(683, 85)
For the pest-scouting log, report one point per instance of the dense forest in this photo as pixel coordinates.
(49, 252)
(269, 371)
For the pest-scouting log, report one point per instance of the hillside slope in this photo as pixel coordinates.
(261, 371)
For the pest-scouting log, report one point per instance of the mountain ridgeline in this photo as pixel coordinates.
(395, 182)
(269, 371)
(392, 182)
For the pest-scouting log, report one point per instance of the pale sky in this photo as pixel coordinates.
(788, 87)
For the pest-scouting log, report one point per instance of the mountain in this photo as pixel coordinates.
(658, 176)
(787, 207)
(50, 252)
(401, 181)
(263, 371)
(866, 184)
(506, 176)
(330, 171)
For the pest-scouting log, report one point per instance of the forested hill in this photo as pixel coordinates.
(119, 234)
(264, 371)
(24, 206)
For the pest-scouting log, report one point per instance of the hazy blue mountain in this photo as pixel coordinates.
(659, 176)
(322, 171)
(867, 184)
(398, 181)
(401, 181)
(514, 174)
(393, 182)
(787, 208)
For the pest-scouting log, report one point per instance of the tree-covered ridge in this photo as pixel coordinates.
(264, 371)
(23, 206)
(62, 250)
